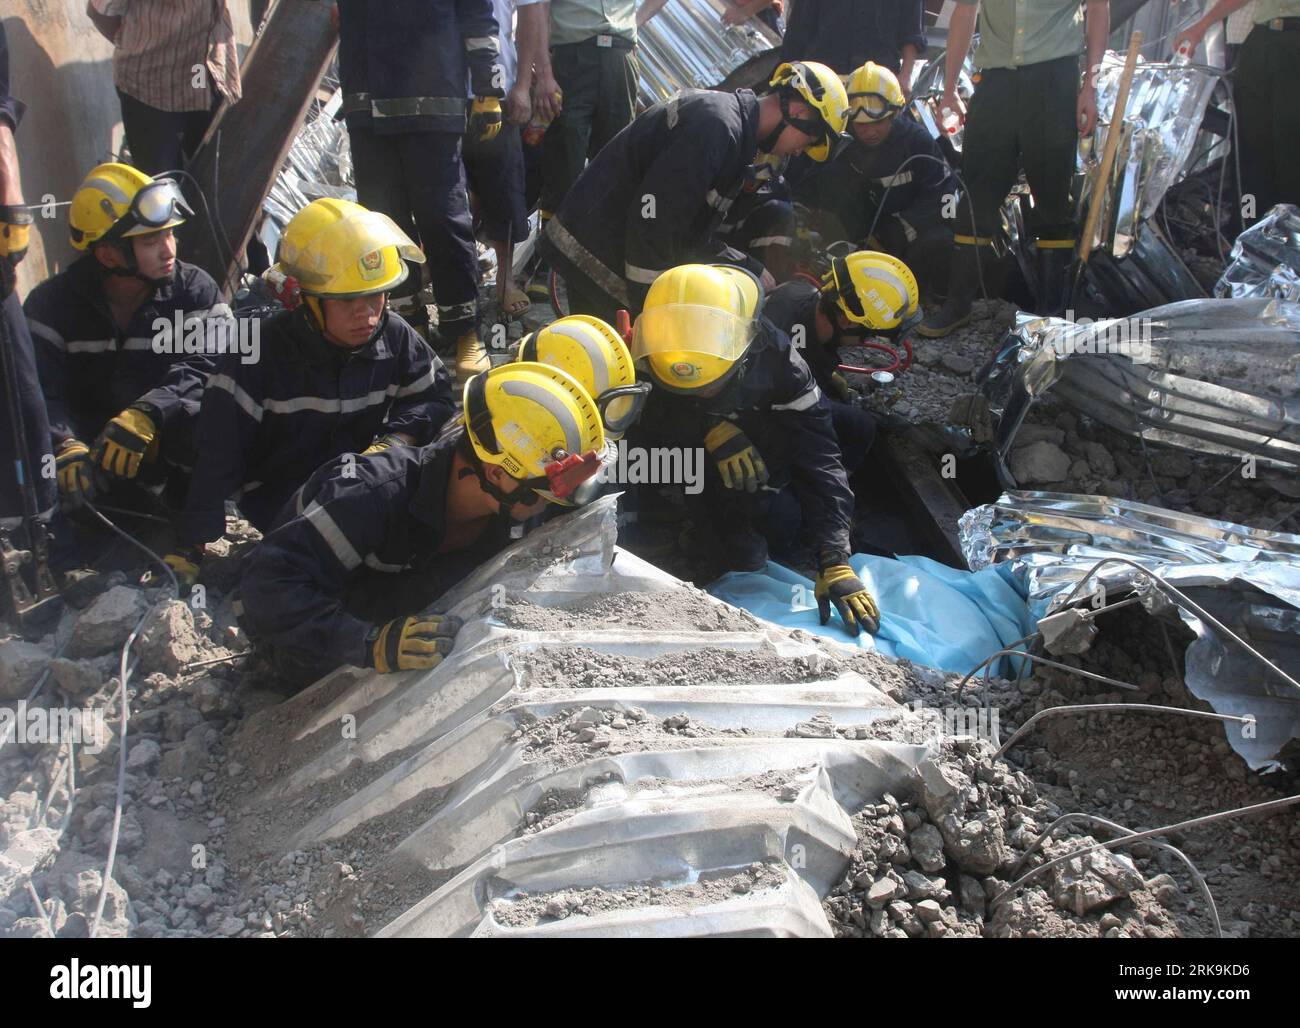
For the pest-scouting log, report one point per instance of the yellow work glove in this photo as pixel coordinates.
(383, 442)
(739, 464)
(15, 229)
(124, 442)
(414, 642)
(838, 584)
(484, 118)
(72, 470)
(184, 562)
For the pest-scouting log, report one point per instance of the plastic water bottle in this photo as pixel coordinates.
(1182, 56)
(950, 121)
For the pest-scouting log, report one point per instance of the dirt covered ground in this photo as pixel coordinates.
(193, 861)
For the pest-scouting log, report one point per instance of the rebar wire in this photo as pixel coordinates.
(965, 195)
(124, 678)
(1196, 822)
(1197, 877)
(984, 665)
(1186, 601)
(1084, 708)
(214, 660)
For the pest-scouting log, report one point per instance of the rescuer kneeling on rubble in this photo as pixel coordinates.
(124, 335)
(887, 185)
(338, 374)
(657, 194)
(730, 380)
(326, 587)
(863, 294)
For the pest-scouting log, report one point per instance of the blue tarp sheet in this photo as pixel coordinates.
(930, 613)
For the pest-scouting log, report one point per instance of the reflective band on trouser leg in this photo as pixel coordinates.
(961, 240)
(1056, 244)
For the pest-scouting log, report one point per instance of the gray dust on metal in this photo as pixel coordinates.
(597, 777)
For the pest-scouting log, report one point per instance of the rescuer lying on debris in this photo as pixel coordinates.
(888, 171)
(338, 374)
(863, 294)
(125, 335)
(730, 380)
(654, 197)
(325, 587)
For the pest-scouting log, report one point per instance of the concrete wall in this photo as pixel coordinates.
(63, 70)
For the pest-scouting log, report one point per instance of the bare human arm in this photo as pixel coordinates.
(647, 10)
(1194, 32)
(1097, 28)
(741, 11)
(107, 25)
(961, 29)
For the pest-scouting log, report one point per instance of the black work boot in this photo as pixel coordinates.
(1053, 281)
(963, 285)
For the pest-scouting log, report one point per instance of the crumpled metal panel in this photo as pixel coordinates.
(686, 46)
(1248, 578)
(1209, 376)
(1265, 259)
(1050, 539)
(1161, 123)
(318, 164)
(664, 812)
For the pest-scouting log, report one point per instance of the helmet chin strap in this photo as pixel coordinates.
(132, 269)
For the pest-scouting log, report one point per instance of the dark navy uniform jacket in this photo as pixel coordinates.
(845, 34)
(858, 179)
(386, 516)
(407, 65)
(775, 401)
(792, 307)
(91, 369)
(266, 426)
(655, 196)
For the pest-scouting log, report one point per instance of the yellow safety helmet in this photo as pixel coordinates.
(696, 324)
(593, 353)
(538, 424)
(340, 250)
(874, 93)
(820, 88)
(875, 290)
(117, 201)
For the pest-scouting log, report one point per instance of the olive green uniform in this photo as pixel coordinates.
(1022, 117)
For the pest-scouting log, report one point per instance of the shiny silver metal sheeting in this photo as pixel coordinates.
(1265, 258)
(1161, 125)
(1050, 540)
(1248, 578)
(686, 46)
(318, 164)
(453, 743)
(1210, 376)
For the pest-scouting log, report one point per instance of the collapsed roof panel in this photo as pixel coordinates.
(664, 765)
